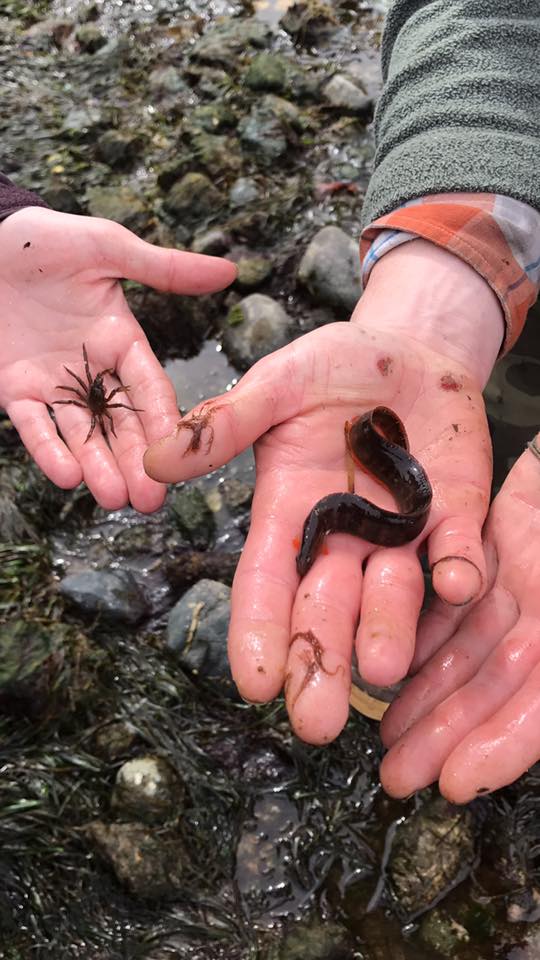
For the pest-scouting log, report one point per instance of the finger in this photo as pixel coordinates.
(128, 448)
(392, 599)
(99, 468)
(262, 596)
(453, 665)
(441, 620)
(417, 758)
(498, 751)
(40, 437)
(149, 389)
(324, 619)
(219, 429)
(164, 269)
(457, 561)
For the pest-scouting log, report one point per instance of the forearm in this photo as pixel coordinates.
(13, 198)
(460, 109)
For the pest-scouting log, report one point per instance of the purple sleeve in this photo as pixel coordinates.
(13, 198)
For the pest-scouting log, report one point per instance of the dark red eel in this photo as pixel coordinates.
(377, 442)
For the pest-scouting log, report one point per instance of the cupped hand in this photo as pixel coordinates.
(294, 404)
(471, 714)
(59, 288)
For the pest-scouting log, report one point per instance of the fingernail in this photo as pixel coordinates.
(461, 584)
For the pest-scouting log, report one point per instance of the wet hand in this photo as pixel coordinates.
(59, 288)
(293, 405)
(470, 716)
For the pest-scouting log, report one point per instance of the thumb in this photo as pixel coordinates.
(174, 271)
(220, 428)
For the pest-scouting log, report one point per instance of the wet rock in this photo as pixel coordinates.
(117, 148)
(29, 660)
(193, 198)
(237, 494)
(217, 154)
(255, 327)
(443, 934)
(119, 203)
(197, 630)
(147, 789)
(262, 132)
(167, 80)
(193, 516)
(175, 325)
(222, 44)
(345, 96)
(330, 269)
(212, 117)
(186, 567)
(252, 271)
(115, 740)
(60, 197)
(265, 763)
(212, 242)
(267, 71)
(432, 852)
(83, 121)
(90, 37)
(309, 21)
(111, 594)
(148, 863)
(316, 939)
(243, 191)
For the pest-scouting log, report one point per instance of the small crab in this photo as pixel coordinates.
(92, 396)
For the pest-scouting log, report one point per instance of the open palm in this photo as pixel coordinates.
(59, 288)
(293, 405)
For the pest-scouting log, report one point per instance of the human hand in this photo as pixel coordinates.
(294, 404)
(59, 288)
(470, 715)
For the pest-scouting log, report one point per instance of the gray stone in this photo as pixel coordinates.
(243, 191)
(167, 80)
(212, 117)
(330, 269)
(119, 203)
(117, 148)
(262, 132)
(211, 242)
(344, 95)
(197, 630)
(223, 43)
(266, 72)
(252, 271)
(90, 37)
(147, 789)
(217, 154)
(82, 121)
(193, 198)
(443, 934)
(193, 516)
(149, 863)
(60, 197)
(432, 851)
(255, 327)
(112, 594)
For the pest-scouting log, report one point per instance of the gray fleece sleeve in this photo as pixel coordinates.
(460, 108)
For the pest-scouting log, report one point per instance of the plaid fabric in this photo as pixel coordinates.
(498, 236)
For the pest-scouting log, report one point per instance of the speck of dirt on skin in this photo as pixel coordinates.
(384, 365)
(455, 427)
(449, 382)
(26, 245)
(261, 670)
